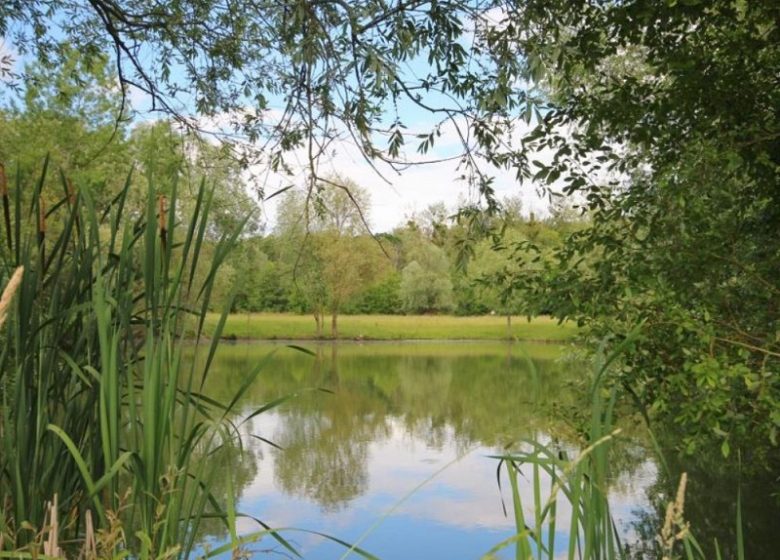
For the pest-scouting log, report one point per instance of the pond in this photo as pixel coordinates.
(392, 446)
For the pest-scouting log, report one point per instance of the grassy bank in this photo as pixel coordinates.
(392, 327)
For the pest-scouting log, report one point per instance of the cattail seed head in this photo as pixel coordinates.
(8, 293)
(163, 223)
(41, 216)
(3, 181)
(162, 213)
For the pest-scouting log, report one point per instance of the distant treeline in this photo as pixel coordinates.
(320, 259)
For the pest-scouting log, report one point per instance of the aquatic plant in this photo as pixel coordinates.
(100, 420)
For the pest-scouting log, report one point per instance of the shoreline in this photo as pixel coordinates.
(246, 340)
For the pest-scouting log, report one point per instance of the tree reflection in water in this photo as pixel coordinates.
(443, 397)
(478, 393)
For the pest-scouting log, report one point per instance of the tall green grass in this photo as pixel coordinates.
(98, 414)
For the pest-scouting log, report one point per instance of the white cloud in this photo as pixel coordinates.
(395, 195)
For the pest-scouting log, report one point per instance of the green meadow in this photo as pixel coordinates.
(275, 326)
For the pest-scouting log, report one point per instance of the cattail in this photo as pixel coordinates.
(3, 181)
(6, 207)
(8, 293)
(41, 220)
(71, 191)
(675, 527)
(162, 221)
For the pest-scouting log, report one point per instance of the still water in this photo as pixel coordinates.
(391, 445)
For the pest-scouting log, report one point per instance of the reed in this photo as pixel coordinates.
(100, 420)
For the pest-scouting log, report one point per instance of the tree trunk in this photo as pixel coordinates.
(509, 326)
(334, 326)
(318, 320)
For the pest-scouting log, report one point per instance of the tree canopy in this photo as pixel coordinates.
(664, 116)
(297, 74)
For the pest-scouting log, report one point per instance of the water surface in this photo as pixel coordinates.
(390, 445)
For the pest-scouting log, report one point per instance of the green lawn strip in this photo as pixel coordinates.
(270, 326)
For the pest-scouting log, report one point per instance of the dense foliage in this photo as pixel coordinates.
(664, 116)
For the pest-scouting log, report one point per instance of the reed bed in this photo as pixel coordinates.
(104, 435)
